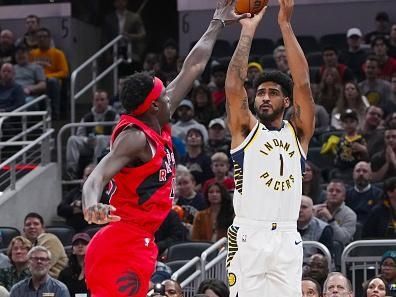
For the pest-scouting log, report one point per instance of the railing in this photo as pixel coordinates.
(322, 248)
(361, 262)
(59, 145)
(93, 62)
(27, 158)
(212, 269)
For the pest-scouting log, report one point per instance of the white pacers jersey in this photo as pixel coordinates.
(268, 168)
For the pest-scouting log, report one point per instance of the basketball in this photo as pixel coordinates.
(250, 6)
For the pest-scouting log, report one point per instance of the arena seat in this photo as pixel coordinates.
(6, 235)
(176, 265)
(267, 61)
(64, 233)
(314, 59)
(308, 43)
(187, 250)
(337, 40)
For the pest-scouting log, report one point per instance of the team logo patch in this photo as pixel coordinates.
(128, 284)
(231, 279)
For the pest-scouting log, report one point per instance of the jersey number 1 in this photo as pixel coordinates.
(281, 164)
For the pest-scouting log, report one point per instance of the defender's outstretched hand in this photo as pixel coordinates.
(225, 12)
(100, 214)
(285, 11)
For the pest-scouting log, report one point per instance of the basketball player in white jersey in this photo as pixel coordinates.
(264, 249)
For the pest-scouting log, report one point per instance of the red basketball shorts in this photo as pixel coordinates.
(120, 261)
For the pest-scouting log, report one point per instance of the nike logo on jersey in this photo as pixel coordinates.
(297, 242)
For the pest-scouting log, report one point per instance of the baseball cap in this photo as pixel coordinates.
(81, 236)
(187, 103)
(354, 32)
(349, 113)
(217, 121)
(255, 65)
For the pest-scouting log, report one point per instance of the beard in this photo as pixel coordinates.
(268, 118)
(361, 182)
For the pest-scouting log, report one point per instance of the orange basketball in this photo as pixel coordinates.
(250, 6)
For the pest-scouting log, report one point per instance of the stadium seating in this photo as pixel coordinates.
(186, 250)
(6, 235)
(64, 233)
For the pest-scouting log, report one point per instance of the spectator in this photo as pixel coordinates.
(29, 75)
(381, 222)
(17, 252)
(7, 48)
(337, 284)
(363, 196)
(351, 99)
(34, 231)
(185, 115)
(392, 42)
(387, 65)
(219, 140)
(340, 217)
(330, 89)
(4, 261)
(90, 141)
(29, 39)
(310, 287)
(220, 166)
(377, 90)
(172, 288)
(371, 129)
(55, 66)
(73, 275)
(381, 27)
(383, 163)
(388, 270)
(126, 23)
(254, 70)
(4, 292)
(377, 286)
(168, 61)
(170, 232)
(161, 273)
(151, 62)
(312, 228)
(311, 184)
(204, 109)
(281, 59)
(356, 54)
(40, 281)
(213, 288)
(212, 223)
(11, 93)
(317, 268)
(196, 160)
(216, 86)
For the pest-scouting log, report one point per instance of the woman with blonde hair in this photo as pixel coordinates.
(17, 252)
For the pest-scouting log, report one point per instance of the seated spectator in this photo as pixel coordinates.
(372, 129)
(34, 231)
(90, 141)
(204, 108)
(11, 93)
(185, 121)
(4, 292)
(351, 99)
(340, 217)
(29, 38)
(220, 166)
(356, 54)
(281, 59)
(40, 282)
(7, 48)
(390, 121)
(196, 160)
(17, 252)
(381, 221)
(187, 197)
(212, 223)
(387, 65)
(330, 89)
(170, 232)
(337, 284)
(312, 228)
(310, 287)
(213, 288)
(381, 27)
(363, 196)
(317, 268)
(151, 62)
(161, 273)
(168, 61)
(383, 163)
(388, 270)
(218, 73)
(55, 66)
(218, 141)
(29, 75)
(73, 275)
(311, 183)
(376, 286)
(254, 70)
(172, 288)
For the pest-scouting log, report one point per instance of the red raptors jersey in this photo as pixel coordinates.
(143, 195)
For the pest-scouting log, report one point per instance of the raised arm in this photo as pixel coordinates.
(239, 117)
(197, 59)
(303, 118)
(128, 147)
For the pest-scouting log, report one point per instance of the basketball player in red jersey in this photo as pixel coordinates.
(140, 170)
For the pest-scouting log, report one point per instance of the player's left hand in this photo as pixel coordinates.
(285, 11)
(100, 214)
(225, 11)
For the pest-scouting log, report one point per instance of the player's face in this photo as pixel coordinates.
(270, 103)
(309, 289)
(33, 228)
(214, 195)
(376, 288)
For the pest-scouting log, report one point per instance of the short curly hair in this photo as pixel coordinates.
(278, 77)
(135, 89)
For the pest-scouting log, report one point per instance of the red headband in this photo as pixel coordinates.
(154, 94)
